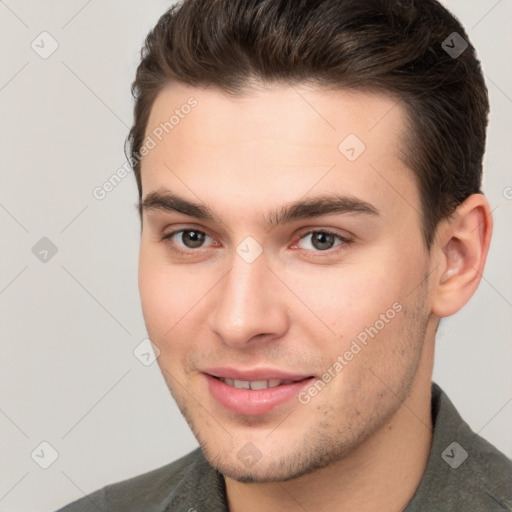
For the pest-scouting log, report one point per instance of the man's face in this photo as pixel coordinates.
(323, 310)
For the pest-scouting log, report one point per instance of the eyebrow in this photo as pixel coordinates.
(326, 204)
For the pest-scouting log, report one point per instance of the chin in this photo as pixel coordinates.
(277, 468)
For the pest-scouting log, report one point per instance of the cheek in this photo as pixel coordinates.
(346, 299)
(172, 298)
(161, 293)
(162, 301)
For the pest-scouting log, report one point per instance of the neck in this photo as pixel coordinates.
(382, 474)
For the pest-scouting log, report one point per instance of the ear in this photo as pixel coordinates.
(459, 253)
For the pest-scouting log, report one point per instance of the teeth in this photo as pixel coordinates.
(255, 384)
(242, 384)
(259, 384)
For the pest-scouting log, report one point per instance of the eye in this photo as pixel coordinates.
(321, 240)
(189, 241)
(187, 238)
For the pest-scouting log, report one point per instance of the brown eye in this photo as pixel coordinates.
(192, 239)
(187, 238)
(321, 240)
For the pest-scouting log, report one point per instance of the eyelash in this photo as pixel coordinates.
(315, 254)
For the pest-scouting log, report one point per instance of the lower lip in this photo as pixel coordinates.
(252, 402)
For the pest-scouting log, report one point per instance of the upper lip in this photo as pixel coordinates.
(254, 374)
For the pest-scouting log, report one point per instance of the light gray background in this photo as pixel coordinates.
(69, 326)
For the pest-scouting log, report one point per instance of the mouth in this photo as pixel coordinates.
(254, 384)
(254, 394)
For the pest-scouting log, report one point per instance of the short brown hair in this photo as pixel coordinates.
(398, 47)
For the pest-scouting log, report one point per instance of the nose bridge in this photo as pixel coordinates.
(245, 305)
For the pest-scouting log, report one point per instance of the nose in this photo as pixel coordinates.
(248, 306)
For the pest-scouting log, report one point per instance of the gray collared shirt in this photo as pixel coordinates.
(464, 473)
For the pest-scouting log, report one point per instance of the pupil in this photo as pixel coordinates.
(193, 238)
(322, 241)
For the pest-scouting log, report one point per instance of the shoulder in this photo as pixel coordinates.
(142, 492)
(488, 473)
(464, 471)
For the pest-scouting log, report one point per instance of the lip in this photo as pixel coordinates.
(253, 402)
(254, 374)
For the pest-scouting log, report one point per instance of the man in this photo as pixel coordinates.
(309, 214)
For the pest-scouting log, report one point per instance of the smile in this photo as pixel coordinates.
(254, 384)
(256, 396)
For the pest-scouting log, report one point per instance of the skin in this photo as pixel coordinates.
(363, 442)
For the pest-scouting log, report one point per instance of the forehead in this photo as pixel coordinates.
(275, 110)
(279, 142)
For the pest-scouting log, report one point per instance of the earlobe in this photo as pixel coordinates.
(461, 248)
